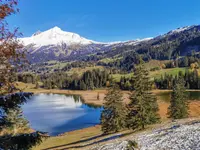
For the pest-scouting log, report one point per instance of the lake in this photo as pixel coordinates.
(192, 95)
(56, 113)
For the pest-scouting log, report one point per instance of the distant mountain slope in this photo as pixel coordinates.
(181, 41)
(55, 44)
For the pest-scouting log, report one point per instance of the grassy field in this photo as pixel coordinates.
(59, 65)
(153, 74)
(117, 77)
(171, 71)
(155, 63)
(70, 139)
(80, 71)
(107, 60)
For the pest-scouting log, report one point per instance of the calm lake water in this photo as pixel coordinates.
(56, 113)
(192, 95)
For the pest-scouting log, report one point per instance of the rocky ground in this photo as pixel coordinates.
(177, 137)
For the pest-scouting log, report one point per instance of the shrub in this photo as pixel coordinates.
(131, 145)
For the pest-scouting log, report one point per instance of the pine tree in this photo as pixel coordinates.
(97, 83)
(178, 104)
(91, 85)
(127, 85)
(114, 113)
(37, 85)
(82, 85)
(143, 107)
(18, 122)
(185, 62)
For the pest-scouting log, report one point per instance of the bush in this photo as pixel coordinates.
(131, 145)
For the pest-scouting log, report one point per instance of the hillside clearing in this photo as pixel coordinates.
(153, 74)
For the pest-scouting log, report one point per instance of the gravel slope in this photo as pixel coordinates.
(177, 137)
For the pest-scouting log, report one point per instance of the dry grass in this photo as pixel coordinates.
(80, 71)
(69, 139)
(155, 63)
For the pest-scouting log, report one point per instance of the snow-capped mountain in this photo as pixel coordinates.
(55, 44)
(55, 36)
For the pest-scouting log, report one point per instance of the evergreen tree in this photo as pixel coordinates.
(178, 104)
(114, 113)
(82, 85)
(185, 62)
(91, 85)
(18, 123)
(37, 85)
(127, 85)
(97, 82)
(143, 107)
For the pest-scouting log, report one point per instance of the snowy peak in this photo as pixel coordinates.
(55, 36)
(36, 33)
(55, 29)
(181, 29)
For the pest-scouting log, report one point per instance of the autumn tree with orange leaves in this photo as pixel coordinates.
(11, 99)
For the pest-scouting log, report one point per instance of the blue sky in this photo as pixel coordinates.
(106, 20)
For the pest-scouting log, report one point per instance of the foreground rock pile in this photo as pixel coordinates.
(179, 137)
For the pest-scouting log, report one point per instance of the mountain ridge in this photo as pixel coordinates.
(55, 44)
(56, 31)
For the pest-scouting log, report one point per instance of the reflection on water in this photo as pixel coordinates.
(192, 95)
(55, 113)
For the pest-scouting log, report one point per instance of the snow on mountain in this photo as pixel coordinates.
(130, 42)
(116, 42)
(135, 42)
(55, 36)
(36, 33)
(55, 44)
(181, 29)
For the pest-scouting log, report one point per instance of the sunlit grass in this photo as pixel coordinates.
(69, 138)
(153, 74)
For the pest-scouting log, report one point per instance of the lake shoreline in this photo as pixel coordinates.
(90, 96)
(74, 137)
